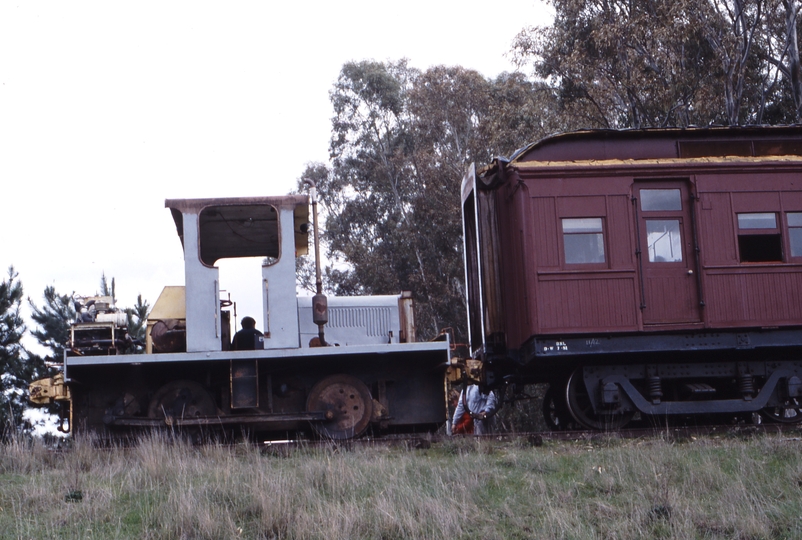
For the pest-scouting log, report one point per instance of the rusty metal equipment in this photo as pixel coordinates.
(99, 329)
(54, 390)
(347, 400)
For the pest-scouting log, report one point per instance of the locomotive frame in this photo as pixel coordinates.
(644, 271)
(366, 373)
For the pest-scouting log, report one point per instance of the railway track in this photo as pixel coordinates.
(419, 441)
(538, 438)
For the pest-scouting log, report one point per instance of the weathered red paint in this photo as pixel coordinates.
(601, 175)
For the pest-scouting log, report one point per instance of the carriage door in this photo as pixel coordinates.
(668, 268)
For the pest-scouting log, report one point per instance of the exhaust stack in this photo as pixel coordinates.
(320, 305)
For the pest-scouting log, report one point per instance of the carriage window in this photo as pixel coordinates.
(759, 237)
(583, 240)
(795, 233)
(763, 220)
(660, 199)
(664, 240)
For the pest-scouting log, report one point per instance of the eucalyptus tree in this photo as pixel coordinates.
(618, 63)
(401, 141)
(781, 92)
(654, 63)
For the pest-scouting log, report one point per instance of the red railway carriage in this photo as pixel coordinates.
(651, 271)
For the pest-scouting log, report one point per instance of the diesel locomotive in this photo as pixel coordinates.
(364, 371)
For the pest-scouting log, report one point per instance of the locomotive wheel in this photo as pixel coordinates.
(581, 407)
(181, 399)
(349, 401)
(789, 412)
(555, 413)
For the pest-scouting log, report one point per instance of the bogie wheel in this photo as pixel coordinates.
(581, 407)
(555, 412)
(789, 412)
(349, 401)
(181, 399)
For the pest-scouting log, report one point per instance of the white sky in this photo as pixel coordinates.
(108, 108)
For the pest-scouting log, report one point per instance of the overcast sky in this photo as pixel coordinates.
(109, 108)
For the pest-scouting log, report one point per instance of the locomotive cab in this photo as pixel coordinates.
(274, 228)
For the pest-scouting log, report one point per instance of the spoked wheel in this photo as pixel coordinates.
(181, 399)
(789, 412)
(581, 407)
(349, 401)
(554, 410)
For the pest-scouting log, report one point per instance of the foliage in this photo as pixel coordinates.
(17, 367)
(523, 412)
(781, 97)
(53, 320)
(401, 141)
(105, 289)
(657, 63)
(623, 64)
(58, 312)
(137, 320)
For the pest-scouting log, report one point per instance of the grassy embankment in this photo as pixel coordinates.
(708, 488)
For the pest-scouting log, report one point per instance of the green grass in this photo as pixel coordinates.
(708, 488)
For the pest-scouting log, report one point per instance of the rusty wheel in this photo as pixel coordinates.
(348, 400)
(181, 399)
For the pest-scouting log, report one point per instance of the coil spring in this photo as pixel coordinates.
(655, 390)
(746, 384)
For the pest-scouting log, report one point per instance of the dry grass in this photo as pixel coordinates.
(711, 488)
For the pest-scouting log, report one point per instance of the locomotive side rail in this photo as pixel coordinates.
(266, 354)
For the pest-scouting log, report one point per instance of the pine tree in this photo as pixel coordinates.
(17, 367)
(105, 290)
(137, 324)
(53, 320)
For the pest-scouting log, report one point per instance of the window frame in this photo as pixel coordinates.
(647, 190)
(789, 227)
(681, 233)
(602, 234)
(776, 231)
